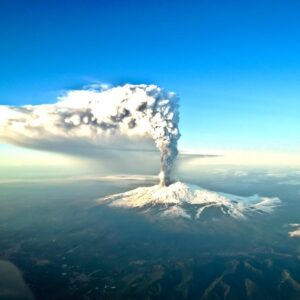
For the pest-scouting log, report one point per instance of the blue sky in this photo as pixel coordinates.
(235, 64)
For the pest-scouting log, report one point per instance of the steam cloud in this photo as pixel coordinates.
(132, 111)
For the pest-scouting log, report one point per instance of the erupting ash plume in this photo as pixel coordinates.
(96, 114)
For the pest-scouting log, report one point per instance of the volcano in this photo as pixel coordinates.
(181, 200)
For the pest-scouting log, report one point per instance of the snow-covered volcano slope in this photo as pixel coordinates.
(190, 202)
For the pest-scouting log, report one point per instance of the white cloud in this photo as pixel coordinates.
(296, 229)
(121, 178)
(290, 182)
(295, 233)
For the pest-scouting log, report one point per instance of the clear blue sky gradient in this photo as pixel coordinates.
(235, 64)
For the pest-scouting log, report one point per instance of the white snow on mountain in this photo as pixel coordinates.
(190, 202)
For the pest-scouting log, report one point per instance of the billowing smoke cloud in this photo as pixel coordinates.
(131, 111)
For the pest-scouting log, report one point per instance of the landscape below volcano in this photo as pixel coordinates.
(124, 237)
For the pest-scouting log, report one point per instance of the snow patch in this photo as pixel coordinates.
(190, 201)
